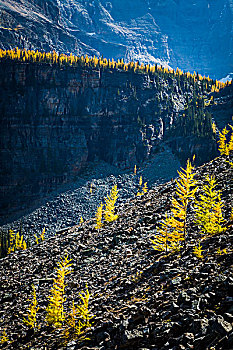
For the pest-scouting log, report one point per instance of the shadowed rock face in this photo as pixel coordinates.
(54, 120)
(194, 35)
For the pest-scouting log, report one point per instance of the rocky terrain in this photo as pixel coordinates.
(62, 210)
(56, 120)
(141, 299)
(71, 128)
(193, 35)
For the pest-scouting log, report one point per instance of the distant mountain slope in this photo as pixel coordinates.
(192, 35)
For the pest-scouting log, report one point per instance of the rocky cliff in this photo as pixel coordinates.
(191, 35)
(54, 120)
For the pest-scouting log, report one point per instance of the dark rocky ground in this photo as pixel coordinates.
(75, 200)
(141, 300)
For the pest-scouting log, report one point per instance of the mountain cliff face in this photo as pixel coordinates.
(55, 120)
(191, 35)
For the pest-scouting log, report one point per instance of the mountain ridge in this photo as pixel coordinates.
(149, 31)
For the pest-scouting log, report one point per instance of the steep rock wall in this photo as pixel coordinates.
(54, 120)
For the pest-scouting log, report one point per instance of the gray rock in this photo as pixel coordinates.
(178, 33)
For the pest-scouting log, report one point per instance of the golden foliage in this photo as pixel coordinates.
(16, 242)
(78, 320)
(4, 338)
(140, 181)
(135, 278)
(55, 310)
(41, 237)
(221, 252)
(230, 144)
(185, 191)
(214, 88)
(208, 209)
(172, 231)
(225, 147)
(24, 55)
(110, 202)
(165, 239)
(98, 216)
(73, 324)
(214, 127)
(231, 216)
(197, 250)
(32, 310)
(42, 234)
(36, 239)
(142, 188)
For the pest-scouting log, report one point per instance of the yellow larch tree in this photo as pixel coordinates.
(78, 320)
(110, 202)
(16, 242)
(32, 311)
(172, 230)
(23, 55)
(197, 250)
(164, 239)
(226, 147)
(208, 208)
(223, 147)
(55, 310)
(4, 338)
(98, 216)
(185, 191)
